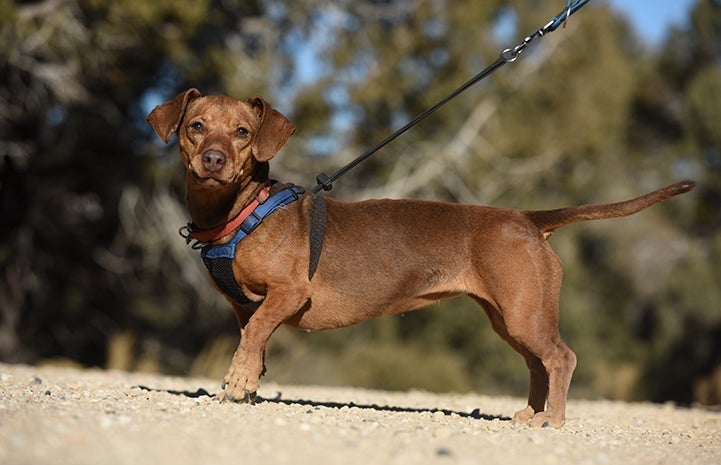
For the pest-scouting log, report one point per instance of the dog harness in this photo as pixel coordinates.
(218, 259)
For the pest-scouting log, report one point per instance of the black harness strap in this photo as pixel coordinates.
(318, 218)
(221, 269)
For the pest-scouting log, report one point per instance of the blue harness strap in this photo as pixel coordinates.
(218, 259)
(288, 195)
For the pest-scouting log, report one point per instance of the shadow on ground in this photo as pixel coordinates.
(476, 413)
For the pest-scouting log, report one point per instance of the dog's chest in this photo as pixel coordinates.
(218, 259)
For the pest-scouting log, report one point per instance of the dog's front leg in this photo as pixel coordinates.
(242, 379)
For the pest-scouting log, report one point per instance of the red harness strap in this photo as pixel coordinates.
(209, 235)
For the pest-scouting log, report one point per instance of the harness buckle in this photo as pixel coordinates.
(186, 232)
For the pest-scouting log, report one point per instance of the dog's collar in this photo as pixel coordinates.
(204, 236)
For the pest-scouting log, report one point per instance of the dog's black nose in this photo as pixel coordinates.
(213, 160)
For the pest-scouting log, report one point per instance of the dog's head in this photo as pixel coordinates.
(221, 139)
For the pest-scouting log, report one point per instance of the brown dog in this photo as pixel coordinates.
(379, 257)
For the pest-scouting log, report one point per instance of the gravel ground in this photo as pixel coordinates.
(68, 416)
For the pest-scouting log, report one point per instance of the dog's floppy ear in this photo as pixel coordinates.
(273, 132)
(165, 118)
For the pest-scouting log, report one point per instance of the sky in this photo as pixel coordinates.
(651, 18)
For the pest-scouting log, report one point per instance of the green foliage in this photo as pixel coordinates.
(91, 267)
(704, 107)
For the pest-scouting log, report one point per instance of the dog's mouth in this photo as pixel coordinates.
(211, 179)
(213, 176)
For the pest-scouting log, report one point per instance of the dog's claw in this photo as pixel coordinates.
(223, 385)
(249, 397)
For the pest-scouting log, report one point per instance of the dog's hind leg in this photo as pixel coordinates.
(559, 362)
(523, 310)
(538, 392)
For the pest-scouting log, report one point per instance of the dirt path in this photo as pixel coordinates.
(65, 416)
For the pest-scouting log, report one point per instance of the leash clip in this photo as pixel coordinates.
(324, 182)
(510, 55)
(186, 232)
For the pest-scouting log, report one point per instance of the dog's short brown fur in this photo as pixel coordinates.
(380, 257)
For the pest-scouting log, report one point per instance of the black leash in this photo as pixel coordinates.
(509, 55)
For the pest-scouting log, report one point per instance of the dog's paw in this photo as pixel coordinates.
(524, 416)
(238, 387)
(546, 419)
(248, 397)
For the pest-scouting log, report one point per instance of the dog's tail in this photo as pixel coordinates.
(548, 221)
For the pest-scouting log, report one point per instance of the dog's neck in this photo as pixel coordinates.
(209, 208)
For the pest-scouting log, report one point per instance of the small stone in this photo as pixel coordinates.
(536, 438)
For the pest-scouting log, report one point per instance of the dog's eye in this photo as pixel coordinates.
(197, 126)
(242, 132)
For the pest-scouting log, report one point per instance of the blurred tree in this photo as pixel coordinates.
(683, 317)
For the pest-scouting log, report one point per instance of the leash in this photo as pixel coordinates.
(508, 55)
